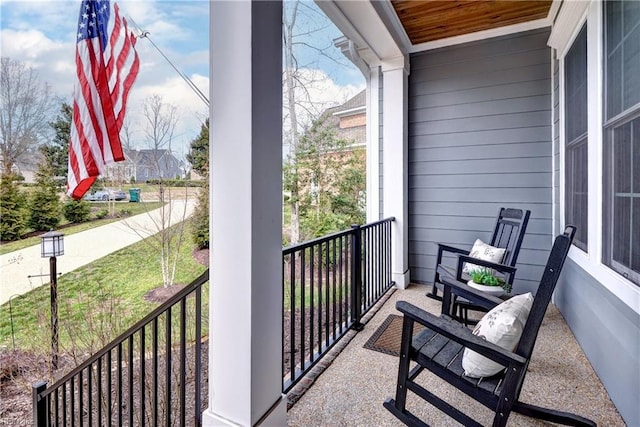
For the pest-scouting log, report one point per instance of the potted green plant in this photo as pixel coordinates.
(484, 279)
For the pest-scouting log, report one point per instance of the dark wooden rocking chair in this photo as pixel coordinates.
(508, 233)
(438, 348)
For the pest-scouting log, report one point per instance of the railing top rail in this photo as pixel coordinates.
(184, 292)
(382, 221)
(300, 246)
(319, 240)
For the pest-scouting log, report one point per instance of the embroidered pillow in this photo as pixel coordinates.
(503, 326)
(484, 252)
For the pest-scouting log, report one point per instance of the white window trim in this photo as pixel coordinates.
(591, 262)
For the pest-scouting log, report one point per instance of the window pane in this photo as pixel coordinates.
(614, 84)
(632, 69)
(622, 159)
(635, 170)
(576, 87)
(614, 29)
(635, 237)
(630, 13)
(621, 229)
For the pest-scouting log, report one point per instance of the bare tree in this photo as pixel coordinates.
(25, 109)
(169, 222)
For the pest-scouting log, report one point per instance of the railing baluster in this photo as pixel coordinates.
(334, 265)
(119, 373)
(154, 350)
(56, 403)
(109, 386)
(99, 390)
(183, 357)
(80, 399)
(303, 311)
(198, 379)
(89, 395)
(327, 331)
(320, 297)
(64, 404)
(130, 387)
(311, 307)
(167, 373)
(72, 403)
(142, 377)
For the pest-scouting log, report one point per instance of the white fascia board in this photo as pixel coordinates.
(566, 26)
(359, 22)
(482, 35)
(351, 111)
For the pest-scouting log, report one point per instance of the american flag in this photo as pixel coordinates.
(107, 65)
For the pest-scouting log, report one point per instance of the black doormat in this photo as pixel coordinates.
(387, 338)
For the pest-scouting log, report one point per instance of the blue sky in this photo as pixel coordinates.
(42, 35)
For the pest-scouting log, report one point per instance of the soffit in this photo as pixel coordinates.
(431, 20)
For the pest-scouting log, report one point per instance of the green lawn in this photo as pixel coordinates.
(96, 302)
(130, 208)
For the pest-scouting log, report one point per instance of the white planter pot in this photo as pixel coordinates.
(492, 290)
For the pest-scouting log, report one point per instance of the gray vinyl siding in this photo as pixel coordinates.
(479, 139)
(608, 332)
(556, 145)
(381, 143)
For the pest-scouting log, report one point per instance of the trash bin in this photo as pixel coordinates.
(134, 195)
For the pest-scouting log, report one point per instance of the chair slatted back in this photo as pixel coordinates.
(547, 285)
(509, 232)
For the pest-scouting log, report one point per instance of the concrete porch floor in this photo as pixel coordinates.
(353, 386)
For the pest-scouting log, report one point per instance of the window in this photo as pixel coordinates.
(576, 141)
(621, 177)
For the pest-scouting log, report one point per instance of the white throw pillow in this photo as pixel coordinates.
(503, 326)
(484, 252)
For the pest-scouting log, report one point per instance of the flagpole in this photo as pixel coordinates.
(145, 35)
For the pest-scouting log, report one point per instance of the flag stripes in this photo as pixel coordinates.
(106, 65)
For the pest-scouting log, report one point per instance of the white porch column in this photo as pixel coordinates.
(395, 162)
(245, 345)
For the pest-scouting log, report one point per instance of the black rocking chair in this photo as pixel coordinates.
(508, 233)
(438, 348)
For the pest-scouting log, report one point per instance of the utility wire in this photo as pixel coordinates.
(145, 35)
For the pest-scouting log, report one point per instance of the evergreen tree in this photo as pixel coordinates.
(44, 203)
(199, 159)
(12, 215)
(56, 154)
(199, 154)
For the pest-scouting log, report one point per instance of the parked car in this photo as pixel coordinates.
(104, 195)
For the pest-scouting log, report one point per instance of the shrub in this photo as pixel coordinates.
(12, 203)
(101, 213)
(76, 211)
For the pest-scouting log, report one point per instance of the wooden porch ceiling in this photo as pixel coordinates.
(429, 20)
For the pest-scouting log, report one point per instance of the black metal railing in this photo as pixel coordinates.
(328, 284)
(149, 375)
(152, 373)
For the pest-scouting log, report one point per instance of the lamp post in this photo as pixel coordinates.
(53, 246)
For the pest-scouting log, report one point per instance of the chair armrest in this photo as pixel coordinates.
(446, 248)
(463, 290)
(457, 332)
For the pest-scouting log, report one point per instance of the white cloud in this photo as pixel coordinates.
(42, 35)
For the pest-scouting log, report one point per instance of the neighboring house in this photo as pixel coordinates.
(350, 119)
(26, 166)
(145, 165)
